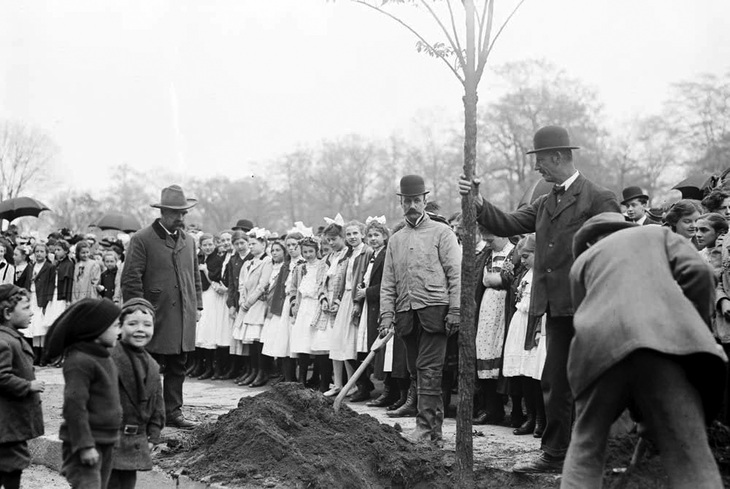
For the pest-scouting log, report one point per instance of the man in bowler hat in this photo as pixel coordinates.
(636, 201)
(162, 267)
(419, 297)
(554, 218)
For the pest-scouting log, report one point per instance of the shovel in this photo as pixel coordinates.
(377, 345)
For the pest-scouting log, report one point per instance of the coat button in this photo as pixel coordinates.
(550, 245)
(549, 270)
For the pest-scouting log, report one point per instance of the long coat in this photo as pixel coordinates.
(372, 296)
(555, 224)
(148, 414)
(165, 272)
(21, 417)
(614, 280)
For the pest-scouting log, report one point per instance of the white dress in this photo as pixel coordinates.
(37, 323)
(266, 330)
(518, 361)
(490, 330)
(344, 332)
(303, 332)
(213, 320)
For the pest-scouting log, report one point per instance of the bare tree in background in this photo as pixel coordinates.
(25, 156)
(465, 52)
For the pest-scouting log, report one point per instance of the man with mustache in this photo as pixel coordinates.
(419, 297)
(554, 218)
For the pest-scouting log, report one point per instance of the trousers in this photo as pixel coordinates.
(172, 384)
(556, 390)
(81, 476)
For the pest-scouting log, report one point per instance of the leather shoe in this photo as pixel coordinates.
(180, 422)
(542, 464)
(360, 396)
(526, 428)
(539, 429)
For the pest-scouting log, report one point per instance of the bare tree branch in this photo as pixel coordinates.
(454, 45)
(504, 24)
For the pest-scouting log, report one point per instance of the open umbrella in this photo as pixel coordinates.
(537, 189)
(119, 221)
(696, 186)
(14, 208)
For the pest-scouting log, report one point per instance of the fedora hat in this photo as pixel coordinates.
(412, 185)
(173, 197)
(630, 193)
(244, 225)
(603, 223)
(549, 138)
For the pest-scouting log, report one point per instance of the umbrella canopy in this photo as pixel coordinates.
(537, 189)
(12, 209)
(696, 186)
(118, 221)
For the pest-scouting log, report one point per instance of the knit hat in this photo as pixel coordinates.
(84, 321)
(8, 290)
(138, 302)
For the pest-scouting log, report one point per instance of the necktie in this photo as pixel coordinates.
(558, 190)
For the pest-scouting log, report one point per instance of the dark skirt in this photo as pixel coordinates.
(14, 456)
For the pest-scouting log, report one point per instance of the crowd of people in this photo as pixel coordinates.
(306, 306)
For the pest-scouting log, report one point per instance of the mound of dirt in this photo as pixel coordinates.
(290, 436)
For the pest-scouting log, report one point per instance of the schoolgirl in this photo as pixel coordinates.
(306, 281)
(64, 273)
(87, 274)
(23, 271)
(7, 270)
(42, 288)
(252, 283)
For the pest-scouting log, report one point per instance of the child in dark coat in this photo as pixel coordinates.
(140, 391)
(92, 412)
(21, 417)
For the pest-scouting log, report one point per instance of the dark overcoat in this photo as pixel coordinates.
(165, 272)
(45, 284)
(21, 417)
(614, 280)
(147, 414)
(555, 224)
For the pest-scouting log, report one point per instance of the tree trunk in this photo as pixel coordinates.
(467, 329)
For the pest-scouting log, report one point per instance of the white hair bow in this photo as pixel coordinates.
(380, 219)
(258, 233)
(337, 220)
(299, 227)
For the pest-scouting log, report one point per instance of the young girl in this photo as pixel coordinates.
(21, 417)
(7, 270)
(107, 281)
(707, 229)
(681, 217)
(277, 329)
(92, 412)
(306, 280)
(343, 345)
(64, 273)
(524, 347)
(252, 283)
(86, 274)
(23, 271)
(230, 352)
(214, 308)
(42, 289)
(140, 390)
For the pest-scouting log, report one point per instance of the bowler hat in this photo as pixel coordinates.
(173, 197)
(549, 138)
(603, 223)
(412, 185)
(244, 225)
(630, 193)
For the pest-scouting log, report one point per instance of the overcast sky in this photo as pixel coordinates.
(212, 86)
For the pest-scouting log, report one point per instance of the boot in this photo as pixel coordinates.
(43, 361)
(447, 382)
(249, 378)
(517, 417)
(402, 395)
(430, 417)
(207, 363)
(221, 358)
(233, 369)
(289, 367)
(539, 427)
(303, 368)
(410, 407)
(193, 363)
(200, 364)
(387, 397)
(261, 378)
(540, 420)
(245, 370)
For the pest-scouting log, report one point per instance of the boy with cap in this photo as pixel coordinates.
(92, 412)
(140, 390)
(21, 417)
(661, 362)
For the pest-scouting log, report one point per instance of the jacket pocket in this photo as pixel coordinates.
(154, 296)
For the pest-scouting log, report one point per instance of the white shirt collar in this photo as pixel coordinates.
(570, 180)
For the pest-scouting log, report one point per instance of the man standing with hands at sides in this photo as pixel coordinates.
(420, 296)
(554, 218)
(162, 267)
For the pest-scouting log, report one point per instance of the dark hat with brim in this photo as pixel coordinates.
(173, 197)
(550, 138)
(603, 223)
(412, 185)
(630, 193)
(243, 225)
(86, 320)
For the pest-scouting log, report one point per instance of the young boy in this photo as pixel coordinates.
(141, 394)
(92, 412)
(21, 417)
(660, 361)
